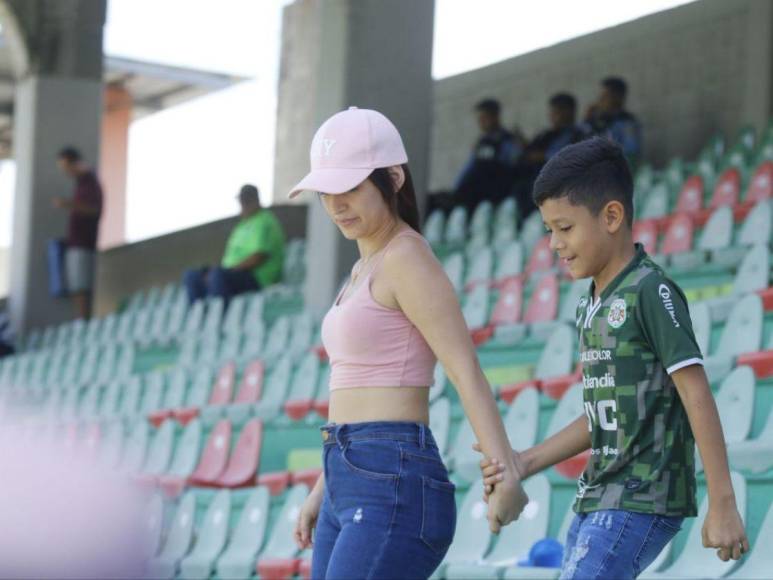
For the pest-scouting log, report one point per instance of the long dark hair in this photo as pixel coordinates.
(401, 202)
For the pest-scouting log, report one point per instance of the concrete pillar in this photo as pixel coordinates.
(58, 102)
(113, 164)
(370, 54)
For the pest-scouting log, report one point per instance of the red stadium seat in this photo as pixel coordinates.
(542, 257)
(690, 198)
(507, 310)
(646, 233)
(767, 298)
(251, 385)
(322, 407)
(508, 393)
(761, 184)
(573, 467)
(555, 387)
(276, 482)
(277, 569)
(543, 306)
(185, 415)
(727, 190)
(242, 467)
(760, 362)
(299, 408)
(215, 456)
(158, 417)
(304, 570)
(321, 353)
(223, 388)
(679, 235)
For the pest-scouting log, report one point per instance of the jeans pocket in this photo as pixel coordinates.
(376, 459)
(438, 518)
(669, 524)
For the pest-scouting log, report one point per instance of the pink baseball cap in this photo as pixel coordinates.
(347, 148)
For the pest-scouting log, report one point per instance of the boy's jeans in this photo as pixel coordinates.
(615, 543)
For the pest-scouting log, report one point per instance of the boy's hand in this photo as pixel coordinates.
(724, 530)
(493, 470)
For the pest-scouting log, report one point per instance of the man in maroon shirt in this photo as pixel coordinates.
(85, 209)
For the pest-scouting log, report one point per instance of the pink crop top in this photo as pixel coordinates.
(370, 345)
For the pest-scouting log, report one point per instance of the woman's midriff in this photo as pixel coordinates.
(365, 404)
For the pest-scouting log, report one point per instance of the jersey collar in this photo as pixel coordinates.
(638, 256)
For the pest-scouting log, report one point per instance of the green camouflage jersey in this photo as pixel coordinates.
(632, 338)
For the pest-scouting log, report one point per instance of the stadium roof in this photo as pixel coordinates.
(153, 87)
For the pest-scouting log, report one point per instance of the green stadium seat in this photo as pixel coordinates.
(194, 319)
(186, 456)
(238, 559)
(434, 227)
(252, 343)
(280, 550)
(89, 404)
(505, 228)
(153, 399)
(716, 235)
(153, 517)
(757, 565)
(178, 541)
(440, 381)
(132, 395)
(111, 445)
(742, 334)
(700, 316)
(472, 537)
(456, 227)
(510, 261)
(481, 268)
(213, 318)
(232, 321)
(656, 204)
(197, 397)
(440, 423)
(482, 218)
(208, 350)
(135, 448)
(568, 308)
(303, 390)
(274, 391)
(174, 398)
(301, 336)
(756, 455)
(210, 539)
(533, 231)
(694, 561)
(476, 307)
(755, 230)
(107, 364)
(230, 347)
(516, 540)
(159, 452)
(753, 275)
(735, 403)
(277, 340)
(454, 269)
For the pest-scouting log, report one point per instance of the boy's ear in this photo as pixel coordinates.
(614, 216)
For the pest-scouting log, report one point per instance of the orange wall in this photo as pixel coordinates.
(112, 165)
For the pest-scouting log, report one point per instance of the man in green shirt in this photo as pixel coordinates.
(646, 397)
(253, 254)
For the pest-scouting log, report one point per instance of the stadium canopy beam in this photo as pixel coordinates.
(58, 66)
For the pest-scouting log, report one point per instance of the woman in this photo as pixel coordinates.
(384, 507)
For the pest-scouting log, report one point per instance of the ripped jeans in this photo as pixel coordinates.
(615, 544)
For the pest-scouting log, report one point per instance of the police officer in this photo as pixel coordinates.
(608, 118)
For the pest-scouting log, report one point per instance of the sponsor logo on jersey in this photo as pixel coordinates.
(617, 313)
(665, 296)
(608, 380)
(595, 355)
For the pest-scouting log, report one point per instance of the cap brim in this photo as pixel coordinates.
(331, 181)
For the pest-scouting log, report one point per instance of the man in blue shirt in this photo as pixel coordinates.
(488, 174)
(608, 118)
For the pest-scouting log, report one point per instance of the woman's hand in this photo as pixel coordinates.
(307, 519)
(506, 503)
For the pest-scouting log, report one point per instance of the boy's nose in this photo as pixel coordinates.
(555, 243)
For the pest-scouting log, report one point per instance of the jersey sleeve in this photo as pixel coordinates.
(665, 321)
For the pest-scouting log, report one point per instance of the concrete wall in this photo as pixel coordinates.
(124, 270)
(692, 71)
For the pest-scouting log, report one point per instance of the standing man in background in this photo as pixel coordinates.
(609, 118)
(85, 209)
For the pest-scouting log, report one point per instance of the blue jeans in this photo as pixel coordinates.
(615, 544)
(223, 282)
(388, 509)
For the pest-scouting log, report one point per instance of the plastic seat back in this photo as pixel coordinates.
(542, 258)
(212, 535)
(305, 379)
(522, 418)
(718, 232)
(232, 321)
(700, 315)
(278, 383)
(454, 269)
(278, 338)
(679, 236)
(690, 198)
(543, 306)
(245, 458)
(178, 386)
(440, 422)
(223, 388)
(482, 218)
(645, 232)
(131, 397)
(758, 225)
(754, 272)
(281, 543)
(160, 450)
(472, 536)
(187, 450)
(153, 399)
(507, 309)
(568, 409)
(743, 330)
(251, 385)
(727, 189)
(476, 307)
(656, 203)
(456, 226)
(199, 393)
(215, 455)
(556, 358)
(735, 403)
(250, 532)
(180, 535)
(434, 227)
(510, 261)
(135, 448)
(761, 183)
(482, 266)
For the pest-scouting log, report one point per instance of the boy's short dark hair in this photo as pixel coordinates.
(491, 106)
(590, 173)
(616, 85)
(70, 154)
(564, 101)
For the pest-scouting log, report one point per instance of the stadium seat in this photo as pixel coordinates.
(645, 232)
(755, 455)
(178, 541)
(542, 258)
(214, 457)
(198, 395)
(234, 316)
(277, 340)
(481, 269)
(456, 227)
(221, 393)
(303, 390)
(210, 539)
(554, 363)
(700, 315)
(727, 190)
(439, 382)
(505, 223)
(238, 559)
(440, 423)
(243, 464)
(472, 537)
(753, 275)
(194, 319)
(693, 561)
(476, 308)
(678, 237)
(568, 309)
(735, 403)
(275, 391)
(89, 404)
(569, 408)
(186, 455)
(755, 230)
(761, 184)
(279, 554)
(533, 231)
(454, 269)
(507, 310)
(690, 198)
(301, 336)
(656, 204)
(159, 453)
(757, 565)
(716, 235)
(509, 262)
(250, 391)
(322, 402)
(434, 227)
(111, 446)
(153, 399)
(481, 219)
(742, 334)
(516, 539)
(153, 525)
(174, 397)
(135, 448)
(543, 308)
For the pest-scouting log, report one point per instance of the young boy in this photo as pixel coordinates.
(644, 388)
